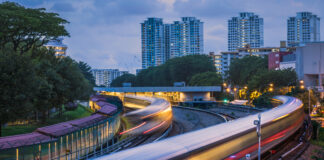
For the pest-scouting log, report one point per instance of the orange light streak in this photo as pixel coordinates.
(132, 128)
(159, 125)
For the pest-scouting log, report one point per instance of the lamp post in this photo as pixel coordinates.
(309, 105)
(258, 130)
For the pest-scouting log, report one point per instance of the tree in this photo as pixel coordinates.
(126, 78)
(279, 78)
(18, 83)
(242, 70)
(179, 69)
(25, 28)
(86, 71)
(206, 79)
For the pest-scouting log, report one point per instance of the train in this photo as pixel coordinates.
(73, 139)
(232, 140)
(151, 115)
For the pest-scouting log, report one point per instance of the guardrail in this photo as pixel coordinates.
(232, 140)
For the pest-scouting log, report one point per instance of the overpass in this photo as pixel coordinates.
(172, 94)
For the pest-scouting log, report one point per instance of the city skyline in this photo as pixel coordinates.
(107, 34)
(161, 42)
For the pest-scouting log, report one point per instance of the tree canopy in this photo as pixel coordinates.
(126, 78)
(242, 70)
(180, 69)
(32, 79)
(279, 78)
(86, 71)
(24, 28)
(206, 79)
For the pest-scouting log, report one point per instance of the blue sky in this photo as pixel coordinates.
(106, 33)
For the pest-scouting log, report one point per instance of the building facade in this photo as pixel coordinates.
(226, 58)
(153, 45)
(245, 30)
(104, 77)
(161, 42)
(186, 37)
(303, 28)
(58, 47)
(274, 59)
(310, 64)
(217, 61)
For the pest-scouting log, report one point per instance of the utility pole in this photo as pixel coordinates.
(258, 130)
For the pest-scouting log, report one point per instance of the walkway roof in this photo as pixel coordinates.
(160, 89)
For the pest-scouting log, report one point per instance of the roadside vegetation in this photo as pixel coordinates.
(33, 81)
(192, 69)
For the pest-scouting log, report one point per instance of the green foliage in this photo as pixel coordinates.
(242, 70)
(86, 71)
(180, 69)
(25, 28)
(206, 79)
(225, 97)
(305, 97)
(32, 79)
(264, 100)
(279, 78)
(18, 83)
(126, 78)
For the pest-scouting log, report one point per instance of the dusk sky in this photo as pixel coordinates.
(107, 33)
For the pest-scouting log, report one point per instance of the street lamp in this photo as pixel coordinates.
(258, 130)
(309, 105)
(224, 84)
(228, 90)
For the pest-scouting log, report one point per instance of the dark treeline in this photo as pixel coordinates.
(32, 79)
(181, 69)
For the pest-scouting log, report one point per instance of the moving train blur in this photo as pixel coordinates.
(151, 114)
(232, 140)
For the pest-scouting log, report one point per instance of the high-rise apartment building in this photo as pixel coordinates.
(153, 45)
(104, 77)
(161, 42)
(245, 30)
(186, 37)
(305, 27)
(58, 47)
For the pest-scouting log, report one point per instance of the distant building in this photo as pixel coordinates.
(274, 59)
(217, 61)
(58, 47)
(161, 42)
(303, 28)
(226, 58)
(288, 61)
(153, 45)
(263, 51)
(310, 64)
(186, 37)
(104, 77)
(245, 30)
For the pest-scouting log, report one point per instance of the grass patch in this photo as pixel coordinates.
(80, 112)
(320, 141)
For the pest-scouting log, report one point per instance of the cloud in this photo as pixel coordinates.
(63, 7)
(107, 33)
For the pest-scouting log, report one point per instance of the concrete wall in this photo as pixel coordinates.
(194, 96)
(310, 63)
